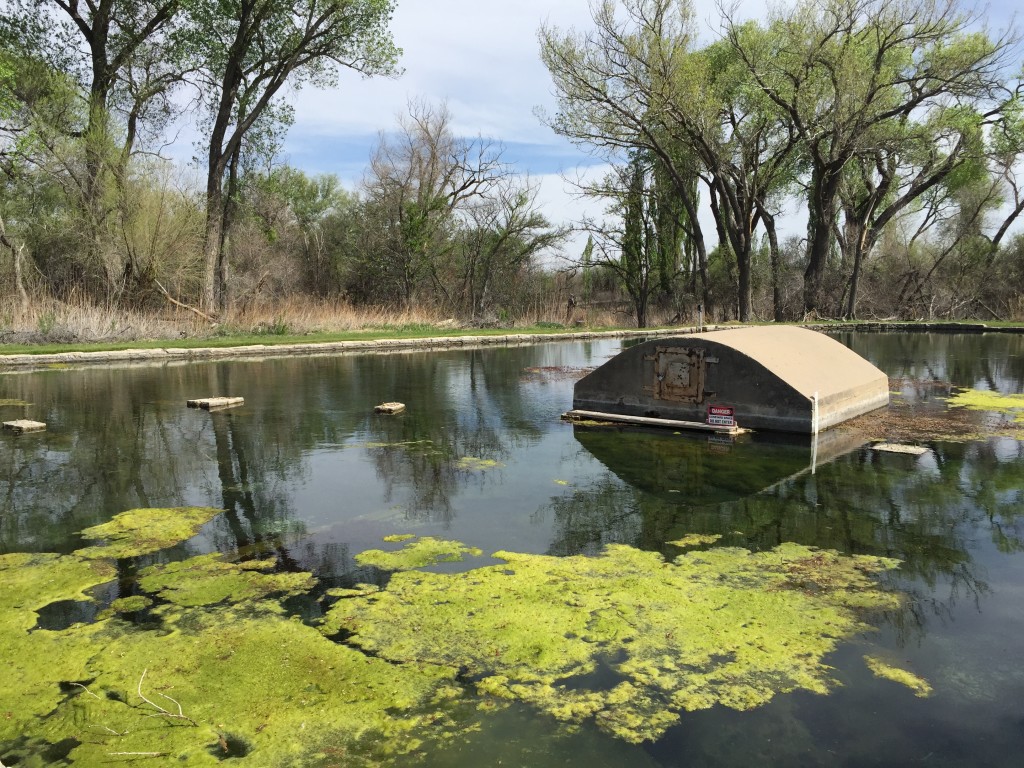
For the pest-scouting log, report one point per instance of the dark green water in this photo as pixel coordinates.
(307, 473)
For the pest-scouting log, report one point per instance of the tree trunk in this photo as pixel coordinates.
(821, 218)
(212, 246)
(776, 262)
(857, 238)
(745, 289)
(16, 252)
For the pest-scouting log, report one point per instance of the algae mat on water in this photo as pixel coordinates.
(218, 669)
(982, 400)
(722, 626)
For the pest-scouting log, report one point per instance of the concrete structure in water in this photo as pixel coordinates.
(779, 378)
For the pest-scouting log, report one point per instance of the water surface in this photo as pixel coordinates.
(305, 472)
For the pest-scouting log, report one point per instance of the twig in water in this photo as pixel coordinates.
(79, 685)
(110, 730)
(161, 711)
(137, 754)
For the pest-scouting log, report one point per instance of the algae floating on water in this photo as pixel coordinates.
(144, 531)
(241, 670)
(417, 553)
(695, 540)
(208, 579)
(471, 463)
(723, 626)
(881, 668)
(983, 400)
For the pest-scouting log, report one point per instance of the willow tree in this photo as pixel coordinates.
(840, 71)
(246, 51)
(122, 57)
(748, 151)
(910, 160)
(615, 86)
(638, 81)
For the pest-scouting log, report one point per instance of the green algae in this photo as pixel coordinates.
(695, 540)
(227, 669)
(237, 672)
(399, 444)
(983, 400)
(399, 537)
(143, 531)
(417, 553)
(881, 668)
(13, 403)
(208, 579)
(34, 661)
(471, 463)
(721, 627)
(131, 604)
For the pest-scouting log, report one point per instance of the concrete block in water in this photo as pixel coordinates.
(215, 403)
(21, 426)
(912, 450)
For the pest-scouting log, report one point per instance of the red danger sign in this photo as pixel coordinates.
(721, 416)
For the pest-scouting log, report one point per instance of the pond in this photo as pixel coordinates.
(298, 581)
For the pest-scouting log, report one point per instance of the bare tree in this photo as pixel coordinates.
(420, 178)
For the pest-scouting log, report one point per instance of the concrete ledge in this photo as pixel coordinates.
(29, 361)
(908, 327)
(644, 421)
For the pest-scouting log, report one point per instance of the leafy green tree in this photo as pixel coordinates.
(296, 212)
(245, 52)
(906, 164)
(617, 91)
(121, 55)
(638, 81)
(842, 71)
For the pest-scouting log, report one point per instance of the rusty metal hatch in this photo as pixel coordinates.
(679, 374)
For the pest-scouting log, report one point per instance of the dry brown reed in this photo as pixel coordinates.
(47, 321)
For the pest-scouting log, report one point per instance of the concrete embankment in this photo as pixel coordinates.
(172, 354)
(175, 354)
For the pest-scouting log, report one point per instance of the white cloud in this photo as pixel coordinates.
(481, 57)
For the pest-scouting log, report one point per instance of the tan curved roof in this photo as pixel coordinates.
(807, 360)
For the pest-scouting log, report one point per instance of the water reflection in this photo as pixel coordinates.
(993, 361)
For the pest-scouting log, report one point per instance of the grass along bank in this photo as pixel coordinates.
(51, 327)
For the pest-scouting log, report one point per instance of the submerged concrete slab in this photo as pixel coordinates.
(21, 426)
(215, 403)
(780, 378)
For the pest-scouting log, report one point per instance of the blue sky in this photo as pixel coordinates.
(481, 57)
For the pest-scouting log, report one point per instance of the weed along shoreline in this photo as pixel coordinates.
(171, 353)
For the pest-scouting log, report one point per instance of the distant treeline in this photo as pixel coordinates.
(897, 125)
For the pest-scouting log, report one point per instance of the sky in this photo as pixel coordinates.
(481, 58)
